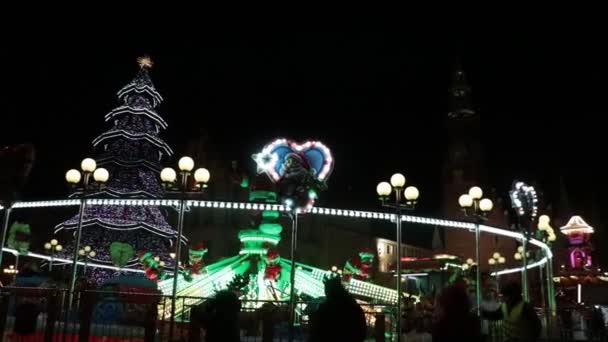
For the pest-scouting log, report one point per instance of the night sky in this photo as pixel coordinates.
(378, 99)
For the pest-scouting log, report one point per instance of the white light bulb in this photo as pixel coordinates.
(470, 261)
(92, 254)
(88, 165)
(81, 252)
(486, 205)
(101, 175)
(58, 248)
(168, 175)
(202, 175)
(411, 193)
(72, 176)
(492, 261)
(398, 180)
(502, 260)
(520, 249)
(47, 246)
(517, 256)
(475, 192)
(186, 164)
(465, 201)
(54, 242)
(87, 248)
(383, 189)
(496, 255)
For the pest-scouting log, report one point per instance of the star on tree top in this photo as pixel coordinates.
(145, 62)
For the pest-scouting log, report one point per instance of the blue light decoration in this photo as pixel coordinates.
(300, 170)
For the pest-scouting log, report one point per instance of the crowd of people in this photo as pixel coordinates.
(449, 316)
(340, 318)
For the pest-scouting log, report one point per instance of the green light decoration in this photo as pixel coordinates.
(271, 214)
(263, 196)
(238, 283)
(19, 237)
(259, 274)
(121, 253)
(245, 182)
(259, 251)
(271, 228)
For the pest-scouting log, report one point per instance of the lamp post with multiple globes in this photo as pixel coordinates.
(52, 247)
(182, 189)
(477, 208)
(405, 199)
(12, 270)
(86, 253)
(547, 234)
(74, 178)
(495, 261)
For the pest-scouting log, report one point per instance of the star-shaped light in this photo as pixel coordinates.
(145, 62)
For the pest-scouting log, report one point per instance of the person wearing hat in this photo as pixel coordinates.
(520, 322)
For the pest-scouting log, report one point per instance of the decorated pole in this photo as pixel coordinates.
(551, 288)
(292, 275)
(300, 172)
(524, 271)
(541, 272)
(525, 203)
(180, 228)
(75, 252)
(7, 215)
(410, 194)
(477, 271)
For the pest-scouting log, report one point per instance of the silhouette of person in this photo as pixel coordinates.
(219, 316)
(520, 322)
(455, 322)
(339, 317)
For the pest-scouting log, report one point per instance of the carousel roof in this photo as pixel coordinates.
(576, 225)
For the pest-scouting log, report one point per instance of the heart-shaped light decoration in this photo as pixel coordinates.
(317, 156)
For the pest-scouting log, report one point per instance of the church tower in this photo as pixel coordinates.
(463, 167)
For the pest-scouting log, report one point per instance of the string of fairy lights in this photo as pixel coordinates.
(369, 215)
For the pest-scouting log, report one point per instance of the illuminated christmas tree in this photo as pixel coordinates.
(131, 150)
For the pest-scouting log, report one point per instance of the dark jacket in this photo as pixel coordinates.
(339, 318)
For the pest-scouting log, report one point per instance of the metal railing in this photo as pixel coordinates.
(41, 314)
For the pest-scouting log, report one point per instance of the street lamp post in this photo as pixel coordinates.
(495, 261)
(86, 252)
(12, 270)
(168, 178)
(292, 273)
(524, 201)
(547, 234)
(522, 255)
(52, 247)
(477, 208)
(411, 195)
(73, 177)
(7, 215)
